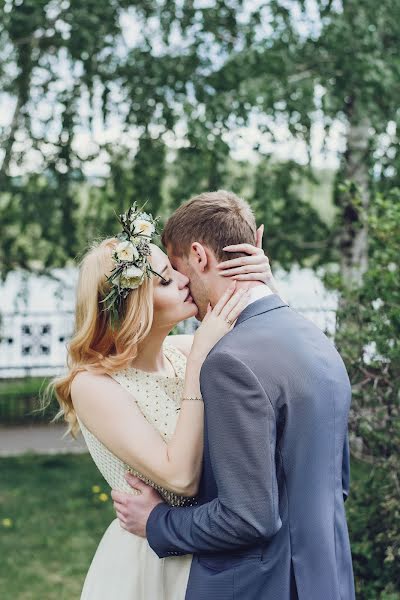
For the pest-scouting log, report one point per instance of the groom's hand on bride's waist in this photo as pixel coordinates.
(133, 511)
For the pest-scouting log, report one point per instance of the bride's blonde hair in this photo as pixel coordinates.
(96, 345)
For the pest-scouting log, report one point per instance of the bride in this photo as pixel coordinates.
(133, 390)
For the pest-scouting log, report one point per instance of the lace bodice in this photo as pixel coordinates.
(158, 397)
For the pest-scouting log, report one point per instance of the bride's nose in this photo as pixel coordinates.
(183, 281)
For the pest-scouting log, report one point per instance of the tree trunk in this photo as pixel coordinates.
(23, 91)
(11, 138)
(353, 202)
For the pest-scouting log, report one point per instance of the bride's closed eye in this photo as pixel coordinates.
(165, 281)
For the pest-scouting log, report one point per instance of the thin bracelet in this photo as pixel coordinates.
(190, 398)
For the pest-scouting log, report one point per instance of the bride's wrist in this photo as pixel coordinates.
(195, 360)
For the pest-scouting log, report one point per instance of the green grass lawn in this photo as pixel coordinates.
(57, 522)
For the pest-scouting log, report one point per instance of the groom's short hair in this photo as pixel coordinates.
(215, 219)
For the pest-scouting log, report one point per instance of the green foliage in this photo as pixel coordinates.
(149, 173)
(196, 75)
(348, 50)
(19, 401)
(28, 386)
(369, 322)
(294, 231)
(38, 224)
(371, 528)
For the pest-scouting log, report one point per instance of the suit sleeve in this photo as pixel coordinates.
(241, 429)
(346, 468)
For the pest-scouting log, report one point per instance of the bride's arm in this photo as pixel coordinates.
(109, 412)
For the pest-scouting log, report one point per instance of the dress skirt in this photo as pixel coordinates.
(126, 568)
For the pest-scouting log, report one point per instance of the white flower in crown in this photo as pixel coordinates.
(132, 277)
(126, 251)
(143, 226)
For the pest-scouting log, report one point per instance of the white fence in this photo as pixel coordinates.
(34, 343)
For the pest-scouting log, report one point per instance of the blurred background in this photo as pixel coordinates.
(293, 105)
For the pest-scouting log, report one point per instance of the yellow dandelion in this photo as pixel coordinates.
(7, 522)
(103, 497)
(96, 489)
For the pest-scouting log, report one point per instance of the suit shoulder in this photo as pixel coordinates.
(214, 356)
(223, 357)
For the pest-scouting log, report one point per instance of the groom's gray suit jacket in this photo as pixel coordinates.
(271, 522)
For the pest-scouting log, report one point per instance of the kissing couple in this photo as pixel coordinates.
(227, 451)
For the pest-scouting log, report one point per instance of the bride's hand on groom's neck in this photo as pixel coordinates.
(252, 266)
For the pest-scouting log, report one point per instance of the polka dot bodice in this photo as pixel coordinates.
(158, 397)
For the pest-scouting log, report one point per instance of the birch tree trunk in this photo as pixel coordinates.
(10, 139)
(353, 237)
(22, 86)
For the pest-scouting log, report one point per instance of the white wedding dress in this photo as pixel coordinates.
(124, 566)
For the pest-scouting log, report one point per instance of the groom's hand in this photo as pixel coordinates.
(133, 511)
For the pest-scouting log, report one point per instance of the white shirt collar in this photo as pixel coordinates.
(260, 291)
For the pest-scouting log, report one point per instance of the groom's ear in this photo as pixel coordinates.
(200, 255)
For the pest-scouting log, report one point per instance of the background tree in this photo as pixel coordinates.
(336, 62)
(372, 317)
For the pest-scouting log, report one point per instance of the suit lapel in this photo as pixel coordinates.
(260, 306)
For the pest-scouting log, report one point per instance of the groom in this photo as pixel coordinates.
(270, 522)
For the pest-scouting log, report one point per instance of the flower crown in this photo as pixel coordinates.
(131, 257)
